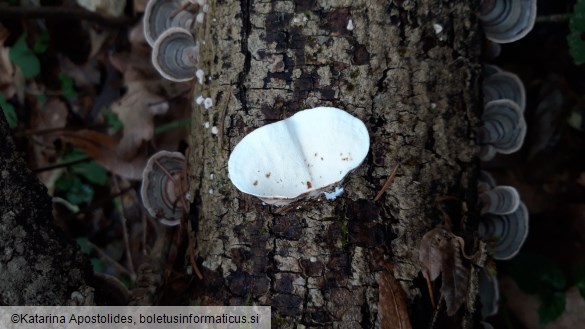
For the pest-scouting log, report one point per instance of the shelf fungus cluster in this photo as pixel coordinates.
(164, 186)
(503, 126)
(167, 28)
(506, 21)
(503, 227)
(300, 157)
(489, 293)
(504, 221)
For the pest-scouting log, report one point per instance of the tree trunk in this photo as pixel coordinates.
(409, 70)
(39, 265)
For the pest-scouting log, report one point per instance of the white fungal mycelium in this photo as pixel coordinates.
(208, 102)
(200, 76)
(300, 157)
(350, 25)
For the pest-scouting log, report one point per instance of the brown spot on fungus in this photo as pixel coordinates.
(309, 185)
(255, 183)
(268, 175)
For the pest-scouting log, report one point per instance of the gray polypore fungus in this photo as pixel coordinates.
(163, 187)
(503, 127)
(499, 200)
(499, 84)
(160, 15)
(504, 223)
(175, 55)
(507, 21)
(505, 234)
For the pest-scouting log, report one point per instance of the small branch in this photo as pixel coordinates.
(62, 164)
(558, 18)
(106, 258)
(222, 119)
(60, 13)
(122, 211)
(386, 184)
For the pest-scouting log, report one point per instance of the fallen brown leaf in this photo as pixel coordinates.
(6, 68)
(440, 252)
(136, 111)
(104, 150)
(392, 304)
(52, 115)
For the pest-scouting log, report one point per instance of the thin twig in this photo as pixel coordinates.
(60, 13)
(144, 232)
(125, 231)
(557, 18)
(180, 197)
(29, 132)
(387, 183)
(222, 118)
(62, 164)
(430, 287)
(193, 260)
(104, 256)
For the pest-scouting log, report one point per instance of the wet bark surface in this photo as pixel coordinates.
(409, 71)
(39, 265)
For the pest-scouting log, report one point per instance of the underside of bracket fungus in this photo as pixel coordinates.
(507, 21)
(299, 157)
(504, 103)
(500, 200)
(175, 55)
(503, 127)
(489, 293)
(498, 84)
(504, 233)
(160, 15)
(163, 186)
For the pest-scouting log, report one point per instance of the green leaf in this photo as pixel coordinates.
(9, 112)
(75, 190)
(74, 154)
(98, 265)
(93, 172)
(576, 31)
(65, 182)
(580, 278)
(535, 273)
(112, 120)
(552, 306)
(21, 55)
(84, 244)
(172, 125)
(42, 43)
(67, 86)
(42, 99)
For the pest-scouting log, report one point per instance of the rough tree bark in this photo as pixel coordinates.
(409, 70)
(39, 265)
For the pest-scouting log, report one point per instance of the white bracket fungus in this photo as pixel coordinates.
(299, 157)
